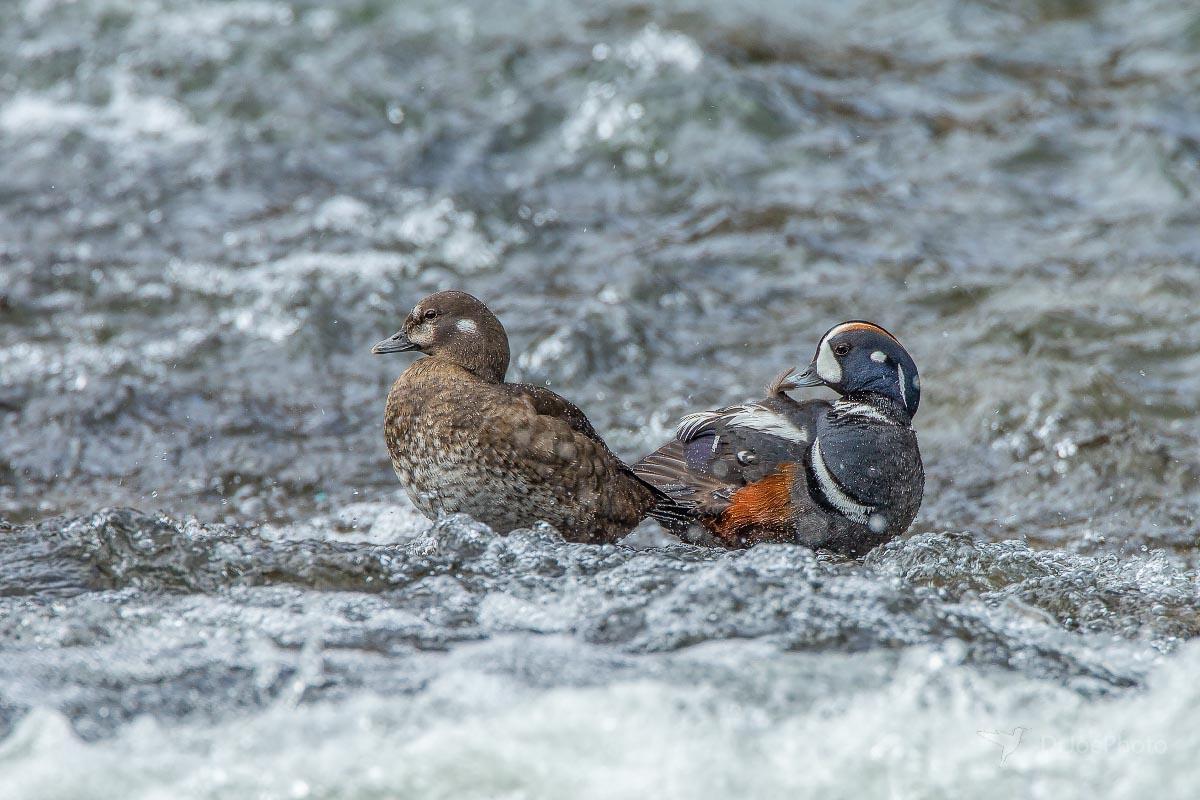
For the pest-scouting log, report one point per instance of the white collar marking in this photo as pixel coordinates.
(846, 408)
(834, 494)
(903, 394)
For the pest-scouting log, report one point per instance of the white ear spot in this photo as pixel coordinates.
(879, 356)
(916, 382)
(828, 368)
(466, 326)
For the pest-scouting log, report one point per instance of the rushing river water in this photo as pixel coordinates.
(209, 211)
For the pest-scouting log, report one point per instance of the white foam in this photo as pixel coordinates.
(906, 729)
(268, 293)
(653, 48)
(371, 522)
(128, 116)
(342, 214)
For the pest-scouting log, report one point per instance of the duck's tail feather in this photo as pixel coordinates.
(684, 490)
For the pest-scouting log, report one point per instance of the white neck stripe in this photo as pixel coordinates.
(834, 494)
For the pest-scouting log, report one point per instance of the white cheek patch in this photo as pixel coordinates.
(828, 368)
(466, 326)
(879, 356)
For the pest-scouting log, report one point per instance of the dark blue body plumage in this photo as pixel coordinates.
(845, 476)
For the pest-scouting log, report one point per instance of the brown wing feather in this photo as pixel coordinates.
(543, 401)
(702, 494)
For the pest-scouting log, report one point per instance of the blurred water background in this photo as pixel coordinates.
(209, 211)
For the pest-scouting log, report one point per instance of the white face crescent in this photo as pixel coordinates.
(828, 368)
(421, 334)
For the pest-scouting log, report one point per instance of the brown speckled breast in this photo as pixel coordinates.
(460, 444)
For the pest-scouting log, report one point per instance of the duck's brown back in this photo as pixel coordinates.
(462, 444)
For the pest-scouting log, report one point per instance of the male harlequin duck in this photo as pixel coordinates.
(508, 454)
(845, 476)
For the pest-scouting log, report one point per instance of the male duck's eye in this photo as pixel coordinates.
(430, 313)
(841, 349)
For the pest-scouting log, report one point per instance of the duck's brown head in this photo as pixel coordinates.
(455, 327)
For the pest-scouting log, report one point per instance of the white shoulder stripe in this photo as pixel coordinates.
(693, 425)
(834, 494)
(757, 418)
(750, 416)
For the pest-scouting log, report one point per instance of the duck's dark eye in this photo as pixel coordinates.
(430, 313)
(841, 349)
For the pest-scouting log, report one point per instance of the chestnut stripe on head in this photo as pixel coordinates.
(859, 325)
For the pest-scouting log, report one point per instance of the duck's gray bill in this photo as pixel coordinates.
(807, 378)
(396, 344)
